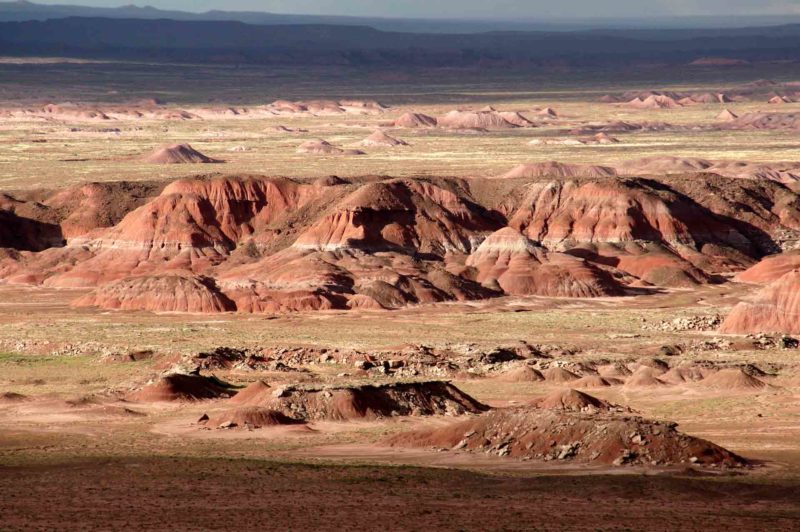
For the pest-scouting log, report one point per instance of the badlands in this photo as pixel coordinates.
(572, 309)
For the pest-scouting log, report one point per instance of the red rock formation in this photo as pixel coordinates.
(556, 169)
(775, 308)
(323, 147)
(275, 245)
(380, 139)
(727, 115)
(406, 214)
(479, 120)
(178, 154)
(159, 293)
(771, 268)
(415, 120)
(509, 259)
(654, 101)
(584, 437)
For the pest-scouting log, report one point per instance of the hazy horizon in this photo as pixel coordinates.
(476, 9)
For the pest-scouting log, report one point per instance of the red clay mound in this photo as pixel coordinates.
(775, 308)
(11, 397)
(588, 438)
(515, 118)
(379, 139)
(573, 401)
(251, 417)
(178, 154)
(644, 377)
(559, 375)
(681, 374)
(159, 293)
(183, 387)
(604, 138)
(509, 259)
(654, 101)
(364, 302)
(779, 100)
(614, 371)
(767, 121)
(323, 147)
(254, 394)
(556, 169)
(662, 165)
(656, 364)
(475, 120)
(371, 402)
(523, 373)
(771, 268)
(415, 120)
(727, 115)
(590, 382)
(732, 379)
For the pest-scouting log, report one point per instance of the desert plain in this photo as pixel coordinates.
(451, 301)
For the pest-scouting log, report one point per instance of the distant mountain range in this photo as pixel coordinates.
(20, 11)
(236, 42)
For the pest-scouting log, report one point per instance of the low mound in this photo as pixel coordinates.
(573, 401)
(178, 154)
(644, 377)
(323, 147)
(414, 120)
(183, 387)
(604, 138)
(159, 293)
(775, 308)
(250, 417)
(593, 381)
(475, 120)
(556, 374)
(12, 397)
(523, 373)
(614, 371)
(767, 121)
(732, 379)
(655, 101)
(662, 165)
(681, 374)
(656, 364)
(727, 115)
(596, 438)
(779, 100)
(379, 139)
(254, 394)
(372, 402)
(556, 169)
(329, 181)
(771, 268)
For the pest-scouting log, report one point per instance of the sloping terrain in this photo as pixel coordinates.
(258, 244)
